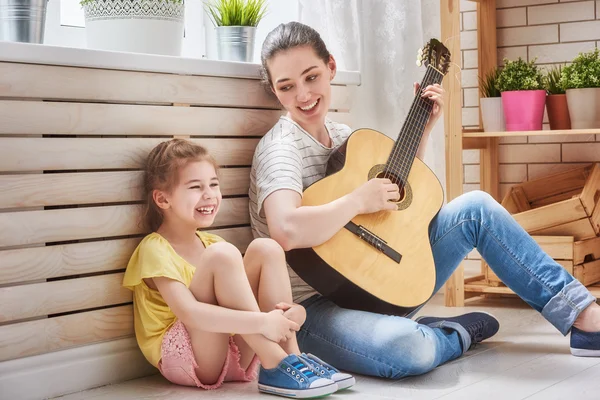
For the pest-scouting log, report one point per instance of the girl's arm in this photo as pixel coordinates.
(213, 318)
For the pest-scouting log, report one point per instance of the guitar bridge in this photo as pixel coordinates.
(374, 240)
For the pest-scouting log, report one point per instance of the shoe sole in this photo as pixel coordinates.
(585, 352)
(301, 393)
(428, 316)
(346, 383)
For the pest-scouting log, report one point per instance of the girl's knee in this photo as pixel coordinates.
(264, 248)
(222, 255)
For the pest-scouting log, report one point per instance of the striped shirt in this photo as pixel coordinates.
(288, 157)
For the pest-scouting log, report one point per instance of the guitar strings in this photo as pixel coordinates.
(411, 122)
(399, 148)
(420, 121)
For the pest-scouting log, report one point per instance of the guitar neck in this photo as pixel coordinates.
(407, 144)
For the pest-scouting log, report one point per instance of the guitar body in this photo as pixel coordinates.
(353, 272)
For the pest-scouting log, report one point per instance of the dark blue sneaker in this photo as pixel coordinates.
(479, 325)
(585, 344)
(294, 378)
(321, 368)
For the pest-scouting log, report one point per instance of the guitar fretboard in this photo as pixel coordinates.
(405, 149)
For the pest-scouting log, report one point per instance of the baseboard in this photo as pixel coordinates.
(73, 370)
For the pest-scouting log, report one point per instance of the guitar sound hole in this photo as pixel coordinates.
(395, 179)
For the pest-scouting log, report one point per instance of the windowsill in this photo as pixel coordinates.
(72, 26)
(70, 56)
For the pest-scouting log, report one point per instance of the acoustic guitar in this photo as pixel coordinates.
(380, 262)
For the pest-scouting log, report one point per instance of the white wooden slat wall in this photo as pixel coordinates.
(72, 142)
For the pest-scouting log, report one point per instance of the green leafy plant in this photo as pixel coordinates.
(584, 72)
(236, 12)
(519, 75)
(552, 81)
(487, 84)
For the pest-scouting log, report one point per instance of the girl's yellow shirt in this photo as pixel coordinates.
(154, 257)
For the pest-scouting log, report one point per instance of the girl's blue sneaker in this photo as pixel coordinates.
(294, 378)
(343, 380)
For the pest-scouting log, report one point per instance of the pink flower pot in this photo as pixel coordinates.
(524, 109)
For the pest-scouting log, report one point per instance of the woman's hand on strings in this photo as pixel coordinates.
(436, 94)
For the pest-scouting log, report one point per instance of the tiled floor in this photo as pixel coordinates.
(528, 359)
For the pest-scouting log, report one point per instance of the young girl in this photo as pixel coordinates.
(197, 318)
(298, 69)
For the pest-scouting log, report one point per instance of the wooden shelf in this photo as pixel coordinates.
(457, 288)
(479, 134)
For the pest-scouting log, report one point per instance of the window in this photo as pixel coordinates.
(71, 13)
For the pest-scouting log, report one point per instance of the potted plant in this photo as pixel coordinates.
(556, 102)
(523, 96)
(581, 80)
(23, 20)
(236, 22)
(490, 103)
(138, 26)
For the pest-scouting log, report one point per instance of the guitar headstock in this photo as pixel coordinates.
(435, 54)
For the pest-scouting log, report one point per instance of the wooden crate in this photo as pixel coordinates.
(562, 213)
(563, 204)
(586, 260)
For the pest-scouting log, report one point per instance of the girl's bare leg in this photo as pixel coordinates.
(210, 349)
(223, 271)
(268, 275)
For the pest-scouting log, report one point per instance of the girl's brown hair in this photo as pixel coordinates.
(161, 172)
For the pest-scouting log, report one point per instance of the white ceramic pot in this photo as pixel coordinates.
(137, 26)
(584, 108)
(492, 114)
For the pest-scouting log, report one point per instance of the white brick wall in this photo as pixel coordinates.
(577, 31)
(554, 32)
(470, 58)
(558, 53)
(512, 53)
(557, 13)
(470, 21)
(471, 97)
(515, 3)
(526, 35)
(511, 17)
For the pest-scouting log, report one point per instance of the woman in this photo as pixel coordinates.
(293, 154)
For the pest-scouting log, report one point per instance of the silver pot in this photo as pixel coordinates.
(235, 43)
(23, 20)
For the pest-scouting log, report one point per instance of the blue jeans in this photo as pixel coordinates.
(395, 347)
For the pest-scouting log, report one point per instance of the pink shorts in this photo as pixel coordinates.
(178, 363)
